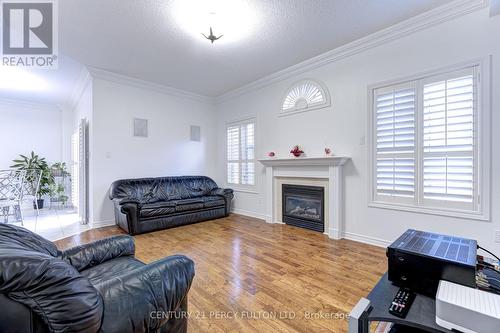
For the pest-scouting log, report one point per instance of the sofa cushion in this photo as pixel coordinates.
(158, 209)
(189, 204)
(162, 208)
(213, 201)
(111, 269)
(171, 188)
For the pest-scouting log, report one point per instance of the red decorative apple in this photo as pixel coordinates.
(271, 154)
(296, 151)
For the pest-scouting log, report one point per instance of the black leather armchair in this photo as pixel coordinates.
(149, 204)
(97, 287)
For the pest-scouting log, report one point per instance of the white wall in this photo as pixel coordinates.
(67, 130)
(343, 126)
(168, 151)
(26, 127)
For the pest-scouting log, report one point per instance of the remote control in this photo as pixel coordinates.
(401, 303)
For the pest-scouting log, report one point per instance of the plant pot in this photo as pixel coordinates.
(40, 204)
(57, 173)
(297, 154)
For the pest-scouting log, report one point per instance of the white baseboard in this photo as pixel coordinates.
(347, 235)
(366, 239)
(102, 223)
(250, 213)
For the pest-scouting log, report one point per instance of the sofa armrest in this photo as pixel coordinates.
(225, 193)
(146, 298)
(222, 192)
(64, 299)
(127, 213)
(95, 253)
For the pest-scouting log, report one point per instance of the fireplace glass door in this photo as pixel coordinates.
(303, 206)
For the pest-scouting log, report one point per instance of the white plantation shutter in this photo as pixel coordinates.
(448, 143)
(248, 152)
(395, 142)
(241, 153)
(233, 154)
(425, 142)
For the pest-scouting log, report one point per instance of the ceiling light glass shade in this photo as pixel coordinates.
(20, 79)
(305, 94)
(235, 19)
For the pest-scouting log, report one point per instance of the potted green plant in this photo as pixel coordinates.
(35, 162)
(57, 194)
(59, 169)
(57, 190)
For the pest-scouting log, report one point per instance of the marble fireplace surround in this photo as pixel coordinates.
(324, 172)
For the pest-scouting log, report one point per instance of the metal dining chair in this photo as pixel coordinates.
(11, 193)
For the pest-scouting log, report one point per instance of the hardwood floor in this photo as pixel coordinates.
(257, 277)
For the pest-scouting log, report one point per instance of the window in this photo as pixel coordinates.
(426, 144)
(395, 142)
(241, 153)
(303, 96)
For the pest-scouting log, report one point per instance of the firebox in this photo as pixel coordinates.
(304, 206)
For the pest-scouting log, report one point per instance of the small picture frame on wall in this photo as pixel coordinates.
(195, 133)
(140, 127)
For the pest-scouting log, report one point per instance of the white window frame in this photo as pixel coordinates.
(242, 187)
(482, 151)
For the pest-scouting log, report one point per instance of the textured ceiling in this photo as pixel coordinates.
(144, 39)
(150, 40)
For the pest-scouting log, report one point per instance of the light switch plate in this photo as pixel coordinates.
(195, 133)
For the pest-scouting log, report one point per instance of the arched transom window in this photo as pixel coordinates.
(305, 95)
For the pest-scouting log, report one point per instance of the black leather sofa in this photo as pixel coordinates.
(149, 204)
(97, 287)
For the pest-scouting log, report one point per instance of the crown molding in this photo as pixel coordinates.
(102, 74)
(84, 79)
(8, 102)
(425, 20)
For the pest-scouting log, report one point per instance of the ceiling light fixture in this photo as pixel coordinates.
(212, 37)
(236, 19)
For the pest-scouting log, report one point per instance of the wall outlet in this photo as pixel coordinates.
(497, 236)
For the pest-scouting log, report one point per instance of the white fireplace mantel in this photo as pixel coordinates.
(328, 168)
(311, 161)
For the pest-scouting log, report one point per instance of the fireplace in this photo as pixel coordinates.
(304, 206)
